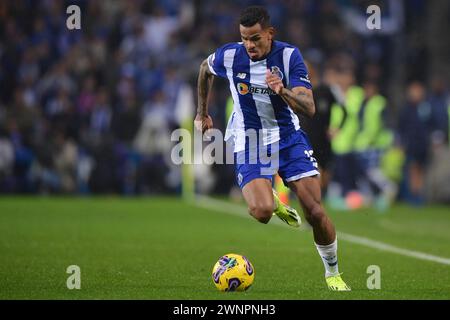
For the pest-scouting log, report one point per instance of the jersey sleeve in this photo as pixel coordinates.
(298, 73)
(215, 63)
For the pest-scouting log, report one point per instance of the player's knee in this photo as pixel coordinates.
(314, 214)
(261, 212)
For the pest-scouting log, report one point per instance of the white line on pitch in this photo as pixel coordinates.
(241, 211)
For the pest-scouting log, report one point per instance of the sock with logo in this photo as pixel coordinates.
(328, 253)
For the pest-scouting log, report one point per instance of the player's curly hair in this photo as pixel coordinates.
(253, 15)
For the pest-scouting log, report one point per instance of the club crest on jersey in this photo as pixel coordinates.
(276, 71)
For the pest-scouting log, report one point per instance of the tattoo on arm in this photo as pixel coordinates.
(204, 85)
(300, 102)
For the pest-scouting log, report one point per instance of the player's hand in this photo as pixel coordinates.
(274, 82)
(203, 123)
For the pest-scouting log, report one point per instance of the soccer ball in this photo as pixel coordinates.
(233, 272)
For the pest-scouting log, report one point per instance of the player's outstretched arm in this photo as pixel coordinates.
(203, 121)
(300, 99)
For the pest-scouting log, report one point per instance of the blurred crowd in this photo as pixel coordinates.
(91, 110)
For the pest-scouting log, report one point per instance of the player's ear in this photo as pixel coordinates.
(271, 31)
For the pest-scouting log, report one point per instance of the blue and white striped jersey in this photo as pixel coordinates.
(255, 105)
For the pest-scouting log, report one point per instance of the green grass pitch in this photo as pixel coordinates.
(164, 248)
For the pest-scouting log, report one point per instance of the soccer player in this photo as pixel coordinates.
(269, 84)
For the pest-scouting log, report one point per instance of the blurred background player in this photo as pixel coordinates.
(415, 123)
(326, 95)
(343, 131)
(372, 140)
